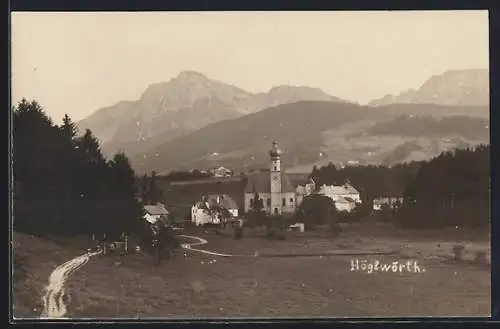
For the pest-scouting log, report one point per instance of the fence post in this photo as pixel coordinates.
(104, 242)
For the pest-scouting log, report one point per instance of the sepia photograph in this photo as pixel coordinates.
(250, 165)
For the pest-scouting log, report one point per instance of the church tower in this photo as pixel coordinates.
(275, 176)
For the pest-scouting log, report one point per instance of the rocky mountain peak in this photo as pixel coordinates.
(192, 77)
(453, 87)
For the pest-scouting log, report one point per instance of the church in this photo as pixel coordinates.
(279, 192)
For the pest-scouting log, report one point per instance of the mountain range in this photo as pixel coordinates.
(192, 122)
(316, 132)
(183, 104)
(455, 87)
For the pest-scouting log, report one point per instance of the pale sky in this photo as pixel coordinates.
(79, 62)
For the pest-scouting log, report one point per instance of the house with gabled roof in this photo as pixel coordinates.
(346, 196)
(201, 214)
(155, 213)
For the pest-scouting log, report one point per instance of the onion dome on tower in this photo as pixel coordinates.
(275, 152)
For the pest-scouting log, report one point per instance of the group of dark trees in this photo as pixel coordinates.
(317, 210)
(62, 183)
(372, 181)
(452, 189)
(149, 191)
(175, 176)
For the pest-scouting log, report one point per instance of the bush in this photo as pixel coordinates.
(238, 233)
(316, 210)
(344, 217)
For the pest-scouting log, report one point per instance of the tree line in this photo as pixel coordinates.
(371, 180)
(452, 189)
(63, 185)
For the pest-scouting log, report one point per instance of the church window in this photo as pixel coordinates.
(251, 202)
(274, 168)
(284, 202)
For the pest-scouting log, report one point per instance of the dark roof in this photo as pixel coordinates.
(225, 201)
(260, 183)
(297, 179)
(156, 210)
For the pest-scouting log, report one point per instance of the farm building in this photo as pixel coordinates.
(346, 197)
(201, 214)
(155, 213)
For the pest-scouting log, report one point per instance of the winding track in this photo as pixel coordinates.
(201, 241)
(54, 303)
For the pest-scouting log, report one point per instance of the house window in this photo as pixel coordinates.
(283, 202)
(251, 202)
(274, 168)
(269, 202)
(291, 200)
(276, 211)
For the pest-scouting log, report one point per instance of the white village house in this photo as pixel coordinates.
(390, 201)
(155, 213)
(200, 211)
(346, 197)
(304, 190)
(221, 172)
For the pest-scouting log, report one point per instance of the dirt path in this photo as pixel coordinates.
(55, 298)
(201, 241)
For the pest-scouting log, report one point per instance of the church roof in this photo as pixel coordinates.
(224, 200)
(260, 182)
(297, 179)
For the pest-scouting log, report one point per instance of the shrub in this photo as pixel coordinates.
(316, 210)
(343, 217)
(238, 233)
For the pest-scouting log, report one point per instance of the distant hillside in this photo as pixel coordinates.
(309, 132)
(466, 127)
(185, 103)
(456, 87)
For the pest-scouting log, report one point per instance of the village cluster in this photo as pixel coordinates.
(277, 191)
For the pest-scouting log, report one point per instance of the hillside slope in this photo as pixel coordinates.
(308, 132)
